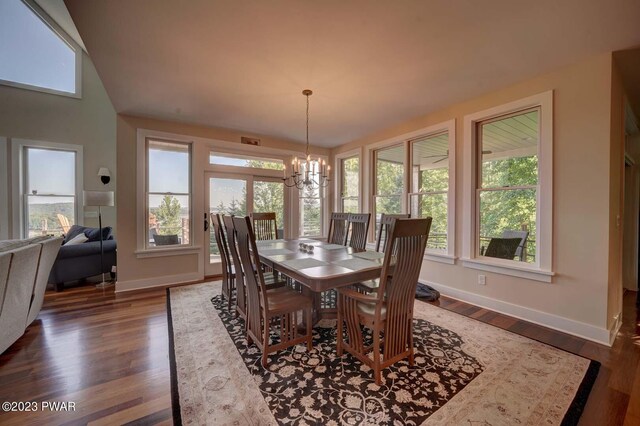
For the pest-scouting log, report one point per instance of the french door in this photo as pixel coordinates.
(241, 195)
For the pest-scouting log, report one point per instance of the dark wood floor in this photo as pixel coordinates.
(108, 354)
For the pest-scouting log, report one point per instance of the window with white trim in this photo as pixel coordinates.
(430, 186)
(350, 184)
(507, 186)
(508, 191)
(34, 53)
(50, 185)
(389, 176)
(168, 193)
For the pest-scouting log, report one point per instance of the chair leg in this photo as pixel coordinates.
(229, 293)
(339, 350)
(410, 331)
(376, 357)
(265, 344)
(308, 315)
(225, 288)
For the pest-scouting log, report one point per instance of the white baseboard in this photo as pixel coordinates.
(555, 322)
(163, 281)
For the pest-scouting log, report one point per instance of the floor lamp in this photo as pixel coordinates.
(99, 199)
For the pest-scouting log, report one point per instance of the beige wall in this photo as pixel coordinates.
(135, 272)
(576, 300)
(90, 122)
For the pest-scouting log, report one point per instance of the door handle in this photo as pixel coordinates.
(206, 223)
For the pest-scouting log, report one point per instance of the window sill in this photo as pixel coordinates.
(528, 272)
(440, 257)
(162, 252)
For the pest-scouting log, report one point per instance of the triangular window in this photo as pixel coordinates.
(34, 54)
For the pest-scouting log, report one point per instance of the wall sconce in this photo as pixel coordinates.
(104, 174)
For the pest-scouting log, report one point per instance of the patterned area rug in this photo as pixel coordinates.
(466, 372)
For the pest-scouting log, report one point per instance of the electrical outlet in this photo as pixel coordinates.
(114, 269)
(482, 279)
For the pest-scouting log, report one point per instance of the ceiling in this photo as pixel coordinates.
(243, 64)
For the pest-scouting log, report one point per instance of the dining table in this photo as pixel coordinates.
(319, 266)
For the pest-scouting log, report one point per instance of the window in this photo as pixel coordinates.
(50, 191)
(430, 186)
(168, 193)
(389, 181)
(508, 193)
(226, 196)
(425, 160)
(33, 54)
(240, 160)
(508, 186)
(350, 184)
(268, 196)
(311, 207)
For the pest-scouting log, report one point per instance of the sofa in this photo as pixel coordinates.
(24, 269)
(79, 261)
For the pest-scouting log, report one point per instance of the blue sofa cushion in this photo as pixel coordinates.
(93, 234)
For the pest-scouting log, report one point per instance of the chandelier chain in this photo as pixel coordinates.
(307, 126)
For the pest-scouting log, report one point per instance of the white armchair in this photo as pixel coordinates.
(24, 271)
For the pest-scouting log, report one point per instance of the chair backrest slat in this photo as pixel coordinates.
(358, 227)
(338, 228)
(235, 258)
(254, 280)
(264, 225)
(386, 220)
(221, 242)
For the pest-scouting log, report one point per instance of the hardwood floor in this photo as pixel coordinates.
(108, 354)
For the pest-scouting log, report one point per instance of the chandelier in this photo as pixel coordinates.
(309, 174)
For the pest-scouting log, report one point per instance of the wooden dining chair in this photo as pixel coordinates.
(386, 220)
(338, 228)
(228, 273)
(358, 227)
(271, 280)
(389, 311)
(267, 308)
(265, 226)
(237, 266)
